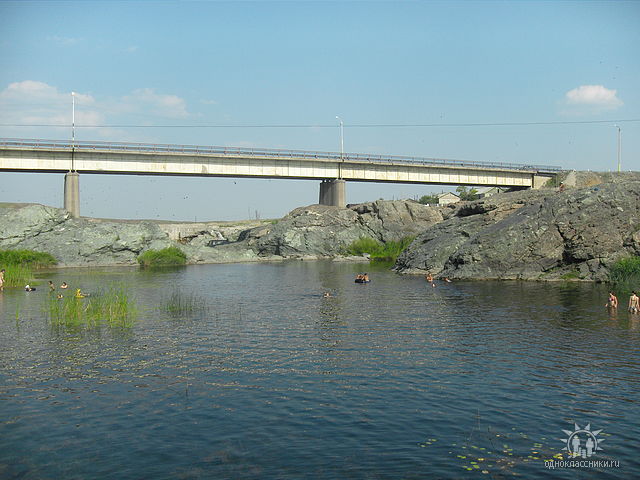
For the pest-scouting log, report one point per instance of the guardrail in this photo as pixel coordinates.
(258, 152)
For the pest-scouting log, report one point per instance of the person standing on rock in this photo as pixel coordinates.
(634, 303)
(613, 301)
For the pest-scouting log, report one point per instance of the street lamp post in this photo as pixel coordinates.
(73, 127)
(341, 138)
(619, 148)
(341, 146)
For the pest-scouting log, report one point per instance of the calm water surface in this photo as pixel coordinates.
(390, 380)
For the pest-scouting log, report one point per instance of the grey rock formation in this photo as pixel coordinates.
(547, 235)
(307, 232)
(76, 242)
(321, 230)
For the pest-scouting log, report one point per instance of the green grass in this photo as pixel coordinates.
(625, 274)
(386, 252)
(166, 256)
(179, 304)
(19, 265)
(113, 307)
(570, 276)
(29, 258)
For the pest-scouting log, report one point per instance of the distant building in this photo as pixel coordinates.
(447, 197)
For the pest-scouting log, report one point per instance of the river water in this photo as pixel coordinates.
(267, 379)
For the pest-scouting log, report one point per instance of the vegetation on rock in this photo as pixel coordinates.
(625, 274)
(378, 251)
(166, 256)
(429, 200)
(19, 265)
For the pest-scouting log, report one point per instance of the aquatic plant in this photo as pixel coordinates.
(378, 251)
(19, 265)
(18, 275)
(30, 258)
(180, 303)
(166, 256)
(625, 274)
(114, 307)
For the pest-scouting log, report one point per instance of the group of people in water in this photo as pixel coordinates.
(634, 302)
(63, 286)
(430, 280)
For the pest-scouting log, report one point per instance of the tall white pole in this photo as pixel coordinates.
(341, 138)
(73, 129)
(73, 118)
(619, 148)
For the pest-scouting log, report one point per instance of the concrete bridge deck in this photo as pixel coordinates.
(28, 155)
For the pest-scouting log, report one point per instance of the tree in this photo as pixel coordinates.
(428, 200)
(467, 195)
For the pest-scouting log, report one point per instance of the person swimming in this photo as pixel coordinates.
(29, 288)
(64, 285)
(612, 301)
(79, 294)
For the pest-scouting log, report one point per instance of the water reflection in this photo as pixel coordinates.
(393, 378)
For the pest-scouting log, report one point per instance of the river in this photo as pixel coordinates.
(266, 379)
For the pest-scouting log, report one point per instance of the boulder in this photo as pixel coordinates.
(578, 233)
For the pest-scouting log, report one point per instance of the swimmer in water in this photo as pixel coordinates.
(634, 303)
(612, 302)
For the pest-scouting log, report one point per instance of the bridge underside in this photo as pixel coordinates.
(331, 172)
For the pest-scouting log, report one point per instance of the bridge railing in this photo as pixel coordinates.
(259, 152)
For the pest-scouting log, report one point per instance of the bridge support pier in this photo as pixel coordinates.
(333, 193)
(72, 193)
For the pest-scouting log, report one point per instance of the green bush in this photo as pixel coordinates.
(166, 256)
(625, 274)
(378, 251)
(29, 258)
(429, 200)
(19, 265)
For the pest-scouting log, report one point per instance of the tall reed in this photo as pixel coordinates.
(179, 303)
(19, 265)
(113, 307)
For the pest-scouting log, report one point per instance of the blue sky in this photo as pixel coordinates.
(241, 64)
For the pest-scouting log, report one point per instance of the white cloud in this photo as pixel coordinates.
(63, 41)
(34, 103)
(596, 96)
(148, 101)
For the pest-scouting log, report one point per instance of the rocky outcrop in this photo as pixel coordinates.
(320, 230)
(547, 235)
(76, 242)
(307, 232)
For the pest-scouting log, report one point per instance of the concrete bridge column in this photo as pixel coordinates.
(333, 193)
(72, 193)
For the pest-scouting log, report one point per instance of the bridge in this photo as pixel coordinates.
(332, 169)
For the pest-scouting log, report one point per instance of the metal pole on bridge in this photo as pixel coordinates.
(72, 178)
(73, 127)
(341, 146)
(619, 147)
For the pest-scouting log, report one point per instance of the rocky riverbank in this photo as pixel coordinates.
(575, 234)
(543, 234)
(315, 231)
